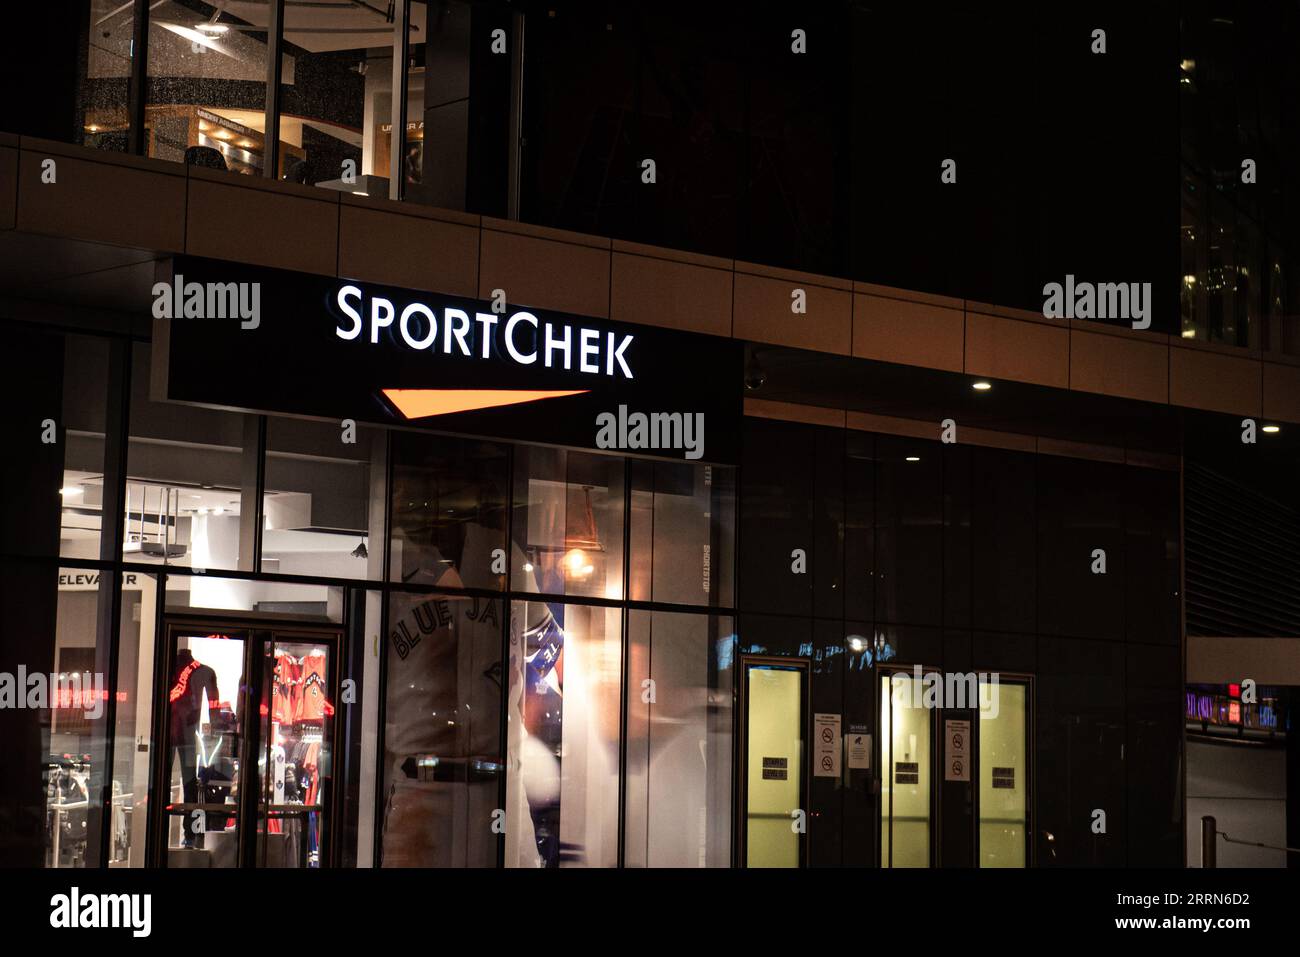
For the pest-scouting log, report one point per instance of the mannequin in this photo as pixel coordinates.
(190, 681)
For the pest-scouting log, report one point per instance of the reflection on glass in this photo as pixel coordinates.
(1003, 787)
(103, 86)
(85, 386)
(683, 533)
(448, 511)
(678, 808)
(563, 735)
(183, 488)
(337, 94)
(905, 785)
(207, 85)
(135, 700)
(568, 523)
(774, 757)
(321, 496)
(72, 698)
(442, 750)
(204, 739)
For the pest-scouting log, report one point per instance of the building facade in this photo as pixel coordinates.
(426, 458)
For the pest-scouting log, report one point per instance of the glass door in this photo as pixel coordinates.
(907, 763)
(774, 724)
(205, 739)
(249, 724)
(295, 728)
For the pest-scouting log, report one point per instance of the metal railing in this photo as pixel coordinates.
(1209, 843)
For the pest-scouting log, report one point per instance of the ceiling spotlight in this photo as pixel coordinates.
(1272, 428)
(981, 386)
(212, 29)
(77, 489)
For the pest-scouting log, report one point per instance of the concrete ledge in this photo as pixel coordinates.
(125, 204)
(381, 245)
(544, 273)
(1014, 349)
(1211, 380)
(285, 230)
(908, 333)
(674, 295)
(762, 313)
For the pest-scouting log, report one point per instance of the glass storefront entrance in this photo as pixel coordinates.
(248, 725)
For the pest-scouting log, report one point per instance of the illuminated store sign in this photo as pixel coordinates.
(521, 336)
(336, 348)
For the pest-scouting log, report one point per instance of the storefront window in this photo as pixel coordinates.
(448, 516)
(133, 744)
(568, 523)
(189, 593)
(683, 533)
(104, 121)
(185, 470)
(207, 85)
(85, 391)
(563, 691)
(324, 496)
(679, 720)
(71, 698)
(336, 95)
(442, 731)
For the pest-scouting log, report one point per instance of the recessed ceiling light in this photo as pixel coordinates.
(981, 386)
(1272, 428)
(914, 458)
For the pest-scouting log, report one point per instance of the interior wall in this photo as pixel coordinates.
(1244, 788)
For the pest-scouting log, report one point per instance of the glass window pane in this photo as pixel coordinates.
(905, 784)
(774, 745)
(296, 715)
(683, 533)
(336, 95)
(102, 99)
(70, 700)
(679, 720)
(563, 735)
(132, 731)
(568, 523)
(1002, 764)
(448, 511)
(323, 497)
(184, 478)
(442, 731)
(85, 392)
(308, 603)
(207, 85)
(205, 731)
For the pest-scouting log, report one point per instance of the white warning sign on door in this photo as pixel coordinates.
(956, 757)
(826, 745)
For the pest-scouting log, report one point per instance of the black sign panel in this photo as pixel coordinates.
(268, 340)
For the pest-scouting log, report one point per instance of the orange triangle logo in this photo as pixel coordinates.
(422, 403)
